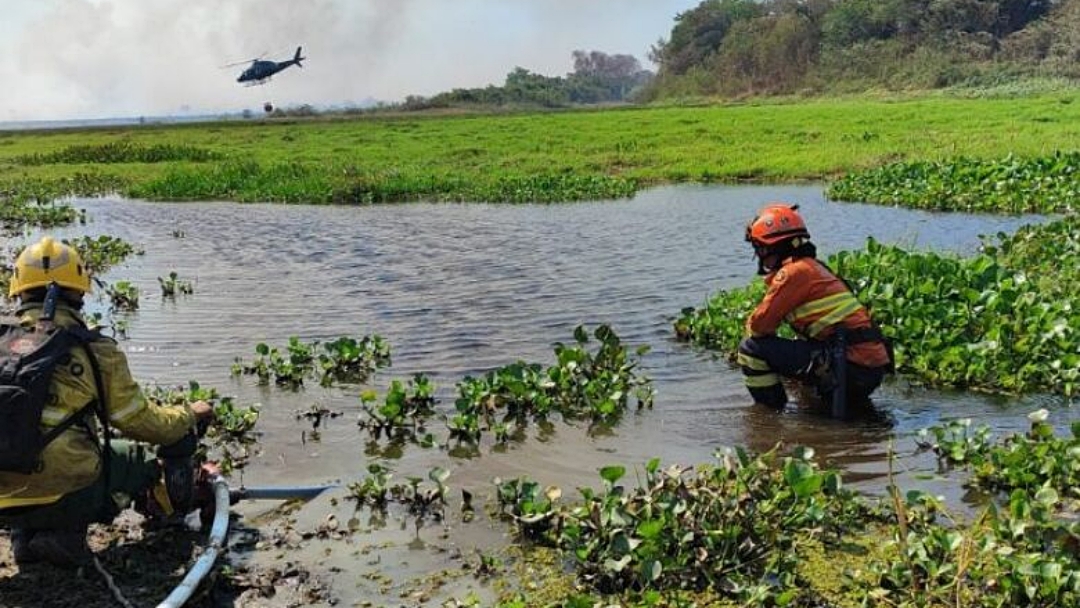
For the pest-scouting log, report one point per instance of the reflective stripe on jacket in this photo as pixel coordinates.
(814, 302)
(72, 461)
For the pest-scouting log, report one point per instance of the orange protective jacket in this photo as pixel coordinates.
(814, 301)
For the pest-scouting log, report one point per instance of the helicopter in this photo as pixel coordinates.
(261, 70)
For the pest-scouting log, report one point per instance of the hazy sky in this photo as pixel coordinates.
(108, 58)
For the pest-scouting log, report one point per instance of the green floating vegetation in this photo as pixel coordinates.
(295, 182)
(35, 202)
(422, 501)
(119, 152)
(1017, 552)
(403, 413)
(734, 527)
(229, 440)
(46, 190)
(123, 296)
(174, 285)
(16, 215)
(581, 384)
(1005, 320)
(766, 530)
(344, 360)
(101, 253)
(1038, 184)
(1038, 462)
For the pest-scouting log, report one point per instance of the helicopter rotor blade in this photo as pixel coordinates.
(236, 63)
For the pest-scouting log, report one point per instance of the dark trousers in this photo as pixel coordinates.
(765, 360)
(133, 470)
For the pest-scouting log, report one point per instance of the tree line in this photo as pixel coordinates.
(749, 47)
(597, 78)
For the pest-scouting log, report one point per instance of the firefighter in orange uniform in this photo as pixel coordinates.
(818, 305)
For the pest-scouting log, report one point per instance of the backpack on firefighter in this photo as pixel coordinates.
(28, 358)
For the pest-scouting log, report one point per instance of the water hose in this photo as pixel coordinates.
(220, 528)
(285, 493)
(223, 497)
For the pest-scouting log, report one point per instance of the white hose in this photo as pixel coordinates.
(218, 531)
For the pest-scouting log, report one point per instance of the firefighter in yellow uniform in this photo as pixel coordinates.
(48, 510)
(818, 305)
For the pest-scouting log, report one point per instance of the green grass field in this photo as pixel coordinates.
(544, 156)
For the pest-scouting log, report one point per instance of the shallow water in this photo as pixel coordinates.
(462, 289)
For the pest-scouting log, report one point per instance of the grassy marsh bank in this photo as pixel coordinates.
(537, 156)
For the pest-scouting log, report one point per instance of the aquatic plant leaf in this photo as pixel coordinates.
(438, 475)
(617, 565)
(612, 474)
(1047, 496)
(651, 570)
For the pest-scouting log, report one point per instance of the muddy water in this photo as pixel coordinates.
(461, 289)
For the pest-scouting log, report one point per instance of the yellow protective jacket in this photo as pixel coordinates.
(72, 461)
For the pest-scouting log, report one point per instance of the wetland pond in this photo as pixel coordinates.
(460, 289)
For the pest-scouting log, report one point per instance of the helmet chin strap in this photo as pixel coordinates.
(762, 269)
(776, 253)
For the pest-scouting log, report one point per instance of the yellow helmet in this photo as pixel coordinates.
(49, 261)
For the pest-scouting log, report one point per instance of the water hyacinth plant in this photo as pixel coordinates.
(1040, 184)
(286, 369)
(1034, 462)
(1001, 320)
(345, 360)
(403, 413)
(230, 438)
(174, 285)
(295, 182)
(18, 214)
(734, 527)
(420, 499)
(779, 531)
(36, 201)
(1021, 553)
(119, 152)
(101, 253)
(123, 295)
(352, 361)
(596, 386)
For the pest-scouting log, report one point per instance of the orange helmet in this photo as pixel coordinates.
(776, 222)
